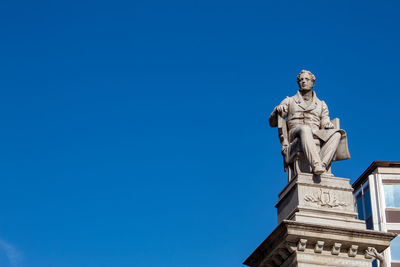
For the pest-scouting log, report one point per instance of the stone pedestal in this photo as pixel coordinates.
(325, 200)
(318, 227)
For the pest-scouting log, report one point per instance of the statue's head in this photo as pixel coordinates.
(305, 80)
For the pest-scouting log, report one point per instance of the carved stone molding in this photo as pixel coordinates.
(291, 247)
(295, 243)
(372, 253)
(353, 250)
(369, 253)
(336, 248)
(301, 246)
(284, 253)
(277, 259)
(319, 246)
(324, 198)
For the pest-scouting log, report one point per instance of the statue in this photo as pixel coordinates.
(310, 140)
(373, 253)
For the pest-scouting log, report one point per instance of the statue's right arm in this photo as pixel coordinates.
(281, 109)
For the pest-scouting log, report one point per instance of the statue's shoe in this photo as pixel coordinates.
(318, 170)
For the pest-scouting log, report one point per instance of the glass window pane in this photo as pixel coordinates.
(395, 249)
(392, 196)
(369, 223)
(367, 204)
(358, 195)
(360, 209)
(365, 186)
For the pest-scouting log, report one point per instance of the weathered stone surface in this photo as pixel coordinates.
(321, 199)
(309, 245)
(318, 227)
(336, 248)
(319, 246)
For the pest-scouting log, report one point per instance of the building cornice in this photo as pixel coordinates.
(372, 167)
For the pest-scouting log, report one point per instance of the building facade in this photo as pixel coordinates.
(377, 201)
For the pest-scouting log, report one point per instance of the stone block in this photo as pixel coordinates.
(319, 246)
(325, 200)
(336, 248)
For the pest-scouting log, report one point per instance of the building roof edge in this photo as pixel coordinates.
(375, 164)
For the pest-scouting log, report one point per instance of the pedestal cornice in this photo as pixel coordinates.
(306, 243)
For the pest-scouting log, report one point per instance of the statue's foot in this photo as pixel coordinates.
(318, 169)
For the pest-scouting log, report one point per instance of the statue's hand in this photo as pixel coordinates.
(371, 252)
(280, 109)
(374, 253)
(329, 125)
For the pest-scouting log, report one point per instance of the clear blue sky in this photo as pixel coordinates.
(133, 133)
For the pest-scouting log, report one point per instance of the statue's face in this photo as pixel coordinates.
(306, 82)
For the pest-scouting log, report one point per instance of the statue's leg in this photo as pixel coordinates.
(329, 148)
(304, 133)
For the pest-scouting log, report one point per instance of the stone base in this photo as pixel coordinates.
(307, 260)
(324, 200)
(301, 244)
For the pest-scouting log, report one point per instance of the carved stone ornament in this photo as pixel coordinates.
(319, 246)
(284, 253)
(324, 199)
(301, 246)
(372, 253)
(336, 248)
(353, 250)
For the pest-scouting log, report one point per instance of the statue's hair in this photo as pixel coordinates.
(306, 71)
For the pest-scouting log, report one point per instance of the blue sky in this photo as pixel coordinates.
(134, 132)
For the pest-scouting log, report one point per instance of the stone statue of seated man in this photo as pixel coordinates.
(309, 128)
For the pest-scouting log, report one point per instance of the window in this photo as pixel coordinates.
(360, 205)
(392, 196)
(363, 204)
(395, 249)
